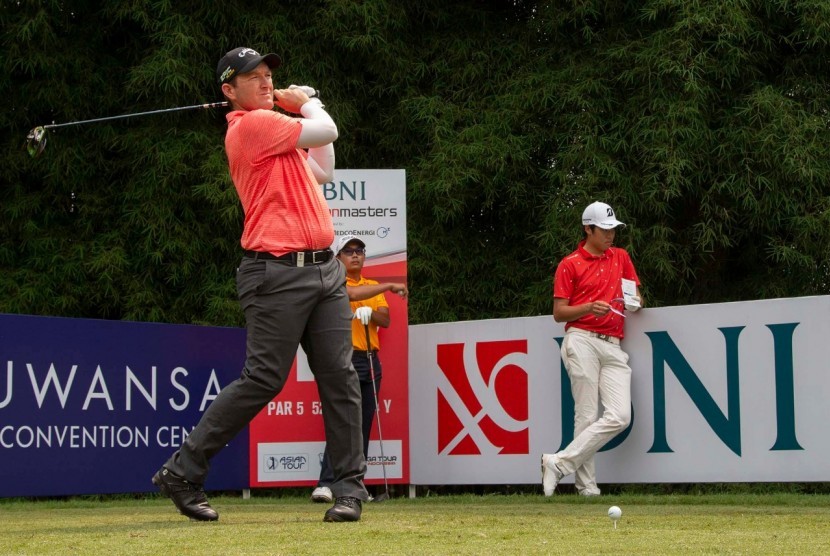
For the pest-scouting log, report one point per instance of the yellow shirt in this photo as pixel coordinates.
(358, 331)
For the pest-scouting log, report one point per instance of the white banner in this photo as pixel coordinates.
(370, 204)
(720, 393)
(301, 461)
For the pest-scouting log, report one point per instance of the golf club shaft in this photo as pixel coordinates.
(108, 118)
(377, 408)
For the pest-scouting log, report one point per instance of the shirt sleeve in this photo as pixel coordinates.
(380, 301)
(563, 281)
(374, 302)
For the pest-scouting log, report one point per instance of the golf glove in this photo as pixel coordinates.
(309, 91)
(363, 314)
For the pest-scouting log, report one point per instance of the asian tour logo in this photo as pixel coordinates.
(483, 398)
(282, 463)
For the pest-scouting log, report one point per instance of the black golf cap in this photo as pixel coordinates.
(241, 60)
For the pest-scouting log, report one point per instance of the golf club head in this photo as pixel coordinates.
(380, 497)
(36, 141)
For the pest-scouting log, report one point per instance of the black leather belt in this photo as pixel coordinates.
(297, 258)
(364, 352)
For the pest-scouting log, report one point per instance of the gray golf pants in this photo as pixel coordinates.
(285, 306)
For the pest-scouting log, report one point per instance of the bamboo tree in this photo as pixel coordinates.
(704, 123)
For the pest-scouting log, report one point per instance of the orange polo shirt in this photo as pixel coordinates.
(284, 206)
(358, 331)
(583, 278)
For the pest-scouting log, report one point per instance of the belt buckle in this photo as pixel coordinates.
(314, 257)
(604, 337)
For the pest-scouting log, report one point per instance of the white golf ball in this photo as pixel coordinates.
(614, 512)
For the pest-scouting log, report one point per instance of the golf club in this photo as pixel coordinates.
(36, 139)
(385, 495)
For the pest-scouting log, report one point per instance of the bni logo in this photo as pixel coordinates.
(483, 398)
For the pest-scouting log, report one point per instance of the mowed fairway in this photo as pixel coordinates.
(461, 524)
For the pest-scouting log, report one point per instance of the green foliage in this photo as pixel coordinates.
(704, 123)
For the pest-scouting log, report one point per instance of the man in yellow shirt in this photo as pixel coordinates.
(374, 311)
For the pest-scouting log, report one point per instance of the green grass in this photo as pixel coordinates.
(782, 523)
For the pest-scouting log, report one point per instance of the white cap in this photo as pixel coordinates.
(344, 241)
(602, 215)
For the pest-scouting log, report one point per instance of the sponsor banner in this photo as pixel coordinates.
(389, 458)
(720, 393)
(287, 461)
(370, 204)
(301, 461)
(95, 407)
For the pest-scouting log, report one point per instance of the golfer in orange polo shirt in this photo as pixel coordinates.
(289, 282)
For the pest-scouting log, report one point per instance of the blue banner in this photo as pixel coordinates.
(96, 407)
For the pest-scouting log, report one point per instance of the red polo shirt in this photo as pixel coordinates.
(583, 278)
(284, 206)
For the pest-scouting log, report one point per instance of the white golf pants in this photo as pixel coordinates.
(599, 374)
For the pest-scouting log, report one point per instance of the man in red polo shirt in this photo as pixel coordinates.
(291, 287)
(588, 295)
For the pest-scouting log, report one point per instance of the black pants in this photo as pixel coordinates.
(285, 306)
(361, 365)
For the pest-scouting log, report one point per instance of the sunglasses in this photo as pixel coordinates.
(353, 251)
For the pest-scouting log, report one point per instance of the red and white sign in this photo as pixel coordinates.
(478, 387)
(482, 398)
(287, 437)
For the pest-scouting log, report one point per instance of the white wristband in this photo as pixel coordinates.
(312, 107)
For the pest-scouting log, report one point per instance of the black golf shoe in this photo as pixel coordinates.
(345, 508)
(189, 498)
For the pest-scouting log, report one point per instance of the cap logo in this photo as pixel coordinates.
(610, 212)
(229, 71)
(245, 51)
